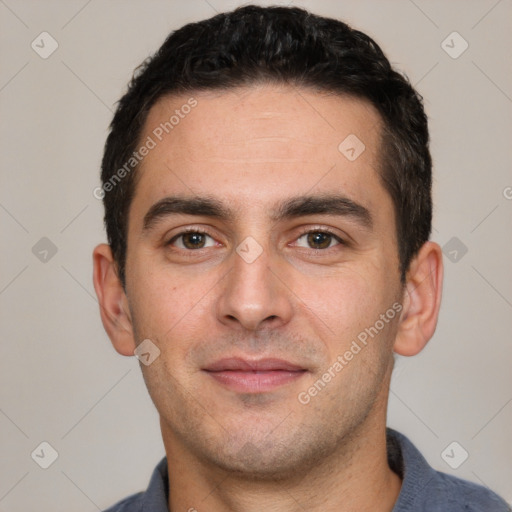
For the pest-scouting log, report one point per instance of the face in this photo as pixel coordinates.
(260, 293)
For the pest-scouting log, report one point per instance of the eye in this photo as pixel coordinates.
(319, 239)
(191, 240)
(194, 239)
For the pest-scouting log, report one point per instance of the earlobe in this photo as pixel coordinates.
(114, 310)
(421, 301)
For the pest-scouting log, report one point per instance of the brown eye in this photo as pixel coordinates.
(319, 239)
(194, 240)
(191, 240)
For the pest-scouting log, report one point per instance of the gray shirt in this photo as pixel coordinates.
(423, 488)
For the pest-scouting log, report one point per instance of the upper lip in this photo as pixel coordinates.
(247, 365)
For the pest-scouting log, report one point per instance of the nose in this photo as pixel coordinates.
(254, 294)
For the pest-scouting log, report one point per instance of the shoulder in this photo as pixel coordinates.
(461, 495)
(132, 503)
(153, 499)
(426, 490)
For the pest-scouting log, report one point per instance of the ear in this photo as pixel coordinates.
(421, 301)
(114, 310)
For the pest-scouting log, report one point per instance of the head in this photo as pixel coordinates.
(287, 46)
(246, 120)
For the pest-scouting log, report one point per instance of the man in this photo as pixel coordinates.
(266, 184)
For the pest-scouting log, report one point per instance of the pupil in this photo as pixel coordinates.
(321, 239)
(193, 240)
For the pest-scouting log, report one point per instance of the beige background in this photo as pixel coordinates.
(61, 381)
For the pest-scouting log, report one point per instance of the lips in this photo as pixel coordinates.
(254, 376)
(244, 365)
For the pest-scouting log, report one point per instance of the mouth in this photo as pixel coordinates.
(254, 376)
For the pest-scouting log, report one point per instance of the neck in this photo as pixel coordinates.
(355, 477)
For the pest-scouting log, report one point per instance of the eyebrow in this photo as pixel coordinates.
(300, 206)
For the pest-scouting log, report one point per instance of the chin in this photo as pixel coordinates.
(268, 460)
(251, 463)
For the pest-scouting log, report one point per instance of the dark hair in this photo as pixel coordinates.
(280, 45)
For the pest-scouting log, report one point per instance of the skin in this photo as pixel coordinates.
(251, 148)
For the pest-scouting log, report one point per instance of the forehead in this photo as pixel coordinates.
(253, 146)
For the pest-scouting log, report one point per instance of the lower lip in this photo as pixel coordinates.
(255, 382)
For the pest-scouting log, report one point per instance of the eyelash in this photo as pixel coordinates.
(303, 232)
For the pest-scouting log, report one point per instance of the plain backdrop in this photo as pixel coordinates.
(62, 383)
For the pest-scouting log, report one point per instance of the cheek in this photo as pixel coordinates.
(170, 308)
(157, 302)
(349, 305)
(340, 298)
